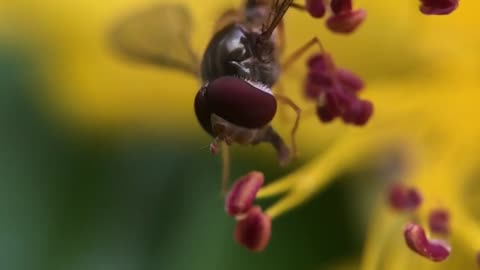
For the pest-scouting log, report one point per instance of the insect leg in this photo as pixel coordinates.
(298, 112)
(271, 136)
(300, 51)
(225, 167)
(280, 91)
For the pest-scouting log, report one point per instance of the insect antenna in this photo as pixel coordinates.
(278, 10)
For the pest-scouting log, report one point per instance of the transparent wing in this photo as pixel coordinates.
(160, 35)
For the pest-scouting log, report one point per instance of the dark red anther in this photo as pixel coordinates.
(332, 105)
(346, 22)
(325, 114)
(358, 112)
(242, 194)
(404, 198)
(240, 102)
(438, 7)
(349, 80)
(478, 259)
(438, 221)
(253, 231)
(316, 84)
(335, 91)
(319, 78)
(341, 6)
(416, 239)
(312, 90)
(316, 8)
(337, 100)
(320, 62)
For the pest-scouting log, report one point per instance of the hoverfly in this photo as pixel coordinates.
(241, 64)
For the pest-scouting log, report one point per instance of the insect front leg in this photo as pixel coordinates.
(219, 145)
(225, 167)
(298, 53)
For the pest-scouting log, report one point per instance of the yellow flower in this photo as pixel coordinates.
(422, 76)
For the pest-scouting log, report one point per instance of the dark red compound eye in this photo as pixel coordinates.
(202, 111)
(236, 101)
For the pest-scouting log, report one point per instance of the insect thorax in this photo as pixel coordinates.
(235, 51)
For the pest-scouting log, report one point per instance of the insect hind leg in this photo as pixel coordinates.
(296, 124)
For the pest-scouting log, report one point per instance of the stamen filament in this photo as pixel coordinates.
(310, 179)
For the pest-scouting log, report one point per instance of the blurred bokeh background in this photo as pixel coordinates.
(102, 163)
